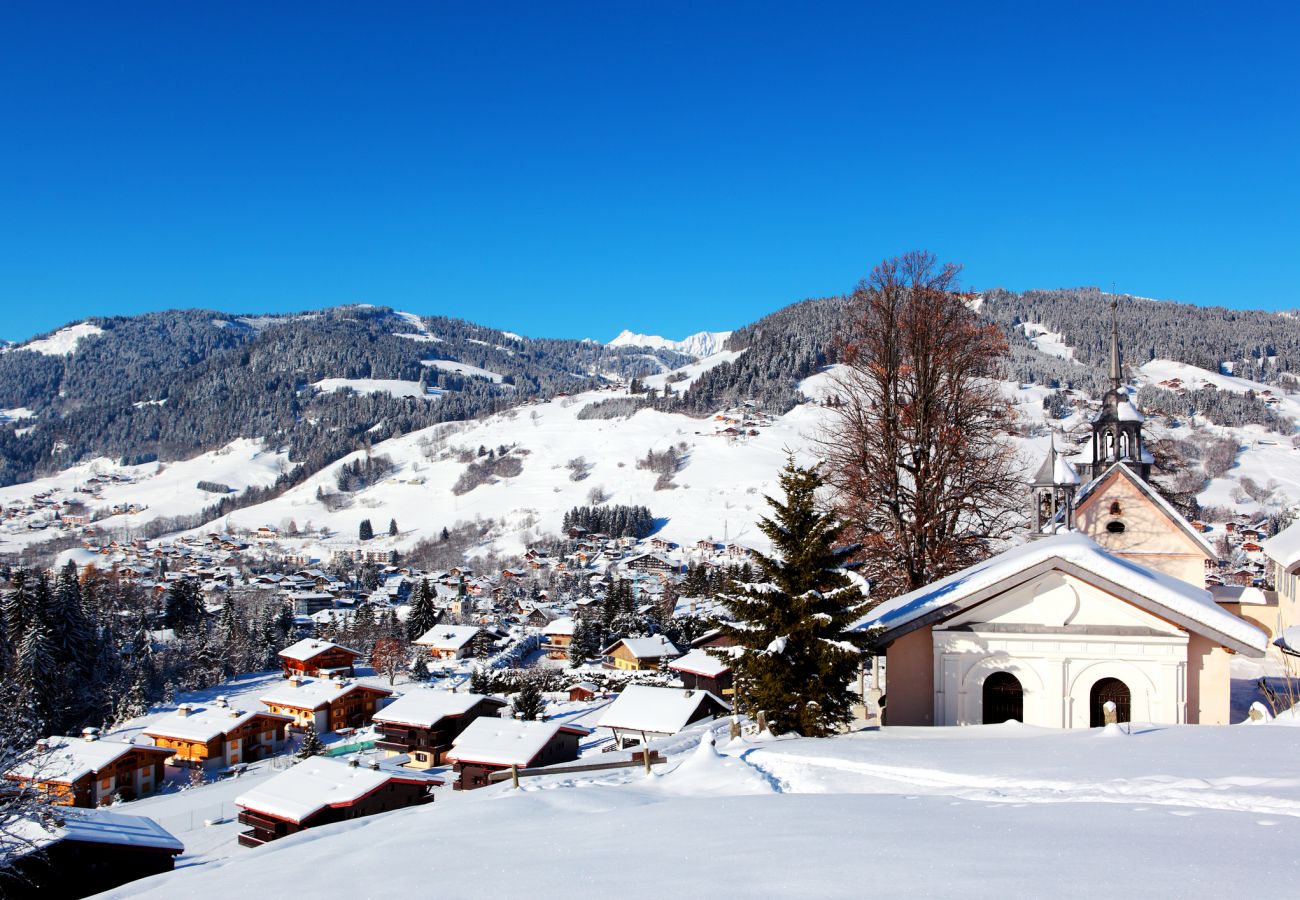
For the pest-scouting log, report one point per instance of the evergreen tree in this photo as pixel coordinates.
(135, 702)
(367, 531)
(420, 665)
(392, 528)
(794, 664)
(423, 613)
(528, 703)
(183, 608)
(37, 673)
(578, 644)
(479, 681)
(311, 743)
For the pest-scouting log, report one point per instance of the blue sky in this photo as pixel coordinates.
(573, 169)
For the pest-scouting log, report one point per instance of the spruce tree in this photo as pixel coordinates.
(366, 531)
(528, 703)
(479, 681)
(419, 670)
(794, 664)
(311, 743)
(392, 528)
(423, 613)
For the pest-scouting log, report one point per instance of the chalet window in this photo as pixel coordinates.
(1115, 527)
(1114, 508)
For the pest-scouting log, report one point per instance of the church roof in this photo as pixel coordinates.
(1284, 547)
(1056, 469)
(1163, 595)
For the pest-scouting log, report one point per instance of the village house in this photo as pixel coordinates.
(654, 563)
(321, 791)
(313, 657)
(558, 636)
(701, 670)
(89, 772)
(218, 736)
(1047, 633)
(423, 723)
(638, 654)
(88, 852)
(449, 641)
(642, 713)
(583, 691)
(327, 704)
(1282, 553)
(490, 745)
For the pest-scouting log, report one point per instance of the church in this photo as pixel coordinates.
(1105, 603)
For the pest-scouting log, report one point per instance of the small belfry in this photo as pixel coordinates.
(1054, 489)
(1117, 429)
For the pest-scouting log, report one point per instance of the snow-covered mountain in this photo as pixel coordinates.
(699, 345)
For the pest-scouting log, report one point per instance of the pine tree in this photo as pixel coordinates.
(135, 702)
(392, 528)
(528, 703)
(420, 665)
(366, 531)
(36, 673)
(423, 613)
(311, 743)
(183, 608)
(479, 681)
(794, 663)
(578, 644)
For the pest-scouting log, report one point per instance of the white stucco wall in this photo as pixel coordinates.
(1058, 636)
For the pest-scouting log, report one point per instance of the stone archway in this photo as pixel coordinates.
(1004, 699)
(1109, 690)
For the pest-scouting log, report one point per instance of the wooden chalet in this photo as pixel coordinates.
(90, 772)
(328, 704)
(89, 852)
(321, 791)
(638, 654)
(642, 713)
(583, 690)
(449, 641)
(314, 657)
(491, 745)
(423, 723)
(219, 736)
(655, 563)
(702, 671)
(557, 636)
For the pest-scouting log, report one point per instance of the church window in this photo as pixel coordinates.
(1114, 508)
(1115, 527)
(1004, 699)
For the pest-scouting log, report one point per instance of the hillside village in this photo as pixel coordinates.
(592, 656)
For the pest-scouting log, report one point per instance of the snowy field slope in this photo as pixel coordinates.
(701, 344)
(393, 386)
(459, 368)
(986, 811)
(1049, 342)
(64, 341)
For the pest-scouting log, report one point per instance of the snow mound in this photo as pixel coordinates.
(705, 771)
(699, 345)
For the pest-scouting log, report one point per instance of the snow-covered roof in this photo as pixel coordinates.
(1289, 641)
(309, 648)
(314, 784)
(562, 626)
(654, 709)
(1162, 594)
(447, 637)
(313, 693)
(645, 647)
(426, 707)
(101, 827)
(1154, 496)
(1127, 412)
(1284, 547)
(505, 742)
(71, 758)
(700, 662)
(205, 724)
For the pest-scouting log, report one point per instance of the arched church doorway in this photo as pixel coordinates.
(1113, 690)
(1004, 699)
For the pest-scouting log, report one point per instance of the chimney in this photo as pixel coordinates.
(236, 713)
(222, 701)
(374, 765)
(183, 710)
(90, 734)
(354, 763)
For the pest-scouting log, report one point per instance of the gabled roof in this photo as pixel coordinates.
(203, 725)
(1176, 601)
(310, 648)
(645, 647)
(426, 707)
(1284, 547)
(299, 793)
(72, 758)
(700, 662)
(448, 637)
(1154, 496)
(654, 709)
(313, 693)
(506, 742)
(98, 826)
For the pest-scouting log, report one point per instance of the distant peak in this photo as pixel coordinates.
(701, 344)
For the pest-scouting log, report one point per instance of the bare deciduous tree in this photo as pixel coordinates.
(916, 445)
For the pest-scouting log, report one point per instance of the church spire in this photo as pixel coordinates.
(1116, 373)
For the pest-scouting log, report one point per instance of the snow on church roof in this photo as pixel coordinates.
(1155, 497)
(1164, 591)
(505, 742)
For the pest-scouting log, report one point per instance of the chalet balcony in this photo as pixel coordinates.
(397, 746)
(264, 823)
(250, 839)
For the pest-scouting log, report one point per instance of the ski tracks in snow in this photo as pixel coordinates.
(796, 773)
